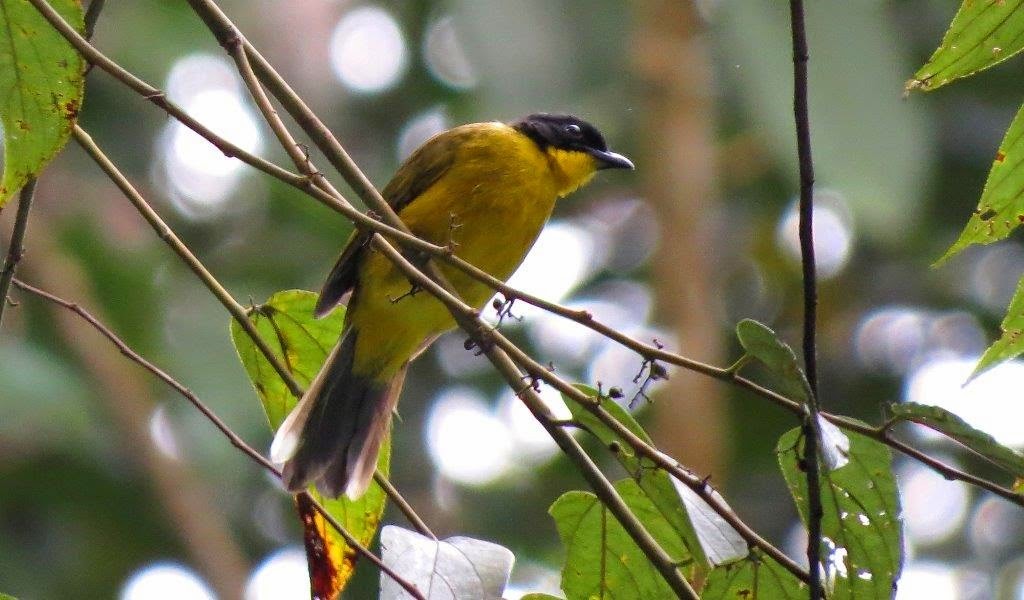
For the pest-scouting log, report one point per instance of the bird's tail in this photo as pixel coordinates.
(333, 435)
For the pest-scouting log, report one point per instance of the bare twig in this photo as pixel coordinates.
(17, 248)
(812, 437)
(194, 264)
(92, 15)
(234, 438)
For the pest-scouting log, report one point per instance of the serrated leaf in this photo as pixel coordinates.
(303, 342)
(458, 568)
(41, 86)
(761, 343)
(983, 33)
(602, 561)
(862, 554)
(757, 577)
(954, 427)
(1011, 343)
(1001, 208)
(652, 480)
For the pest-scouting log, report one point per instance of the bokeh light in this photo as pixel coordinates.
(931, 580)
(833, 233)
(466, 442)
(559, 261)
(419, 129)
(445, 57)
(897, 338)
(281, 576)
(990, 402)
(161, 431)
(989, 284)
(934, 509)
(367, 50)
(165, 581)
(200, 177)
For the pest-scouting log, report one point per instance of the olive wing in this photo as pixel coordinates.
(420, 171)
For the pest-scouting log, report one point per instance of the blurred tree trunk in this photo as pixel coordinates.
(673, 68)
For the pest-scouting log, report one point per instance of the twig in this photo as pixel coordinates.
(403, 505)
(194, 264)
(812, 434)
(17, 248)
(92, 15)
(235, 440)
(481, 333)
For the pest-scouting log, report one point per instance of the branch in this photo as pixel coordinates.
(234, 438)
(194, 264)
(17, 248)
(812, 433)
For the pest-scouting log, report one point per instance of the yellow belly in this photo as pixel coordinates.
(491, 213)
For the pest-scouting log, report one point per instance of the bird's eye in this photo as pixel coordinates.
(573, 130)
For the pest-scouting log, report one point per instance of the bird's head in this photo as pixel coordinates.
(575, 148)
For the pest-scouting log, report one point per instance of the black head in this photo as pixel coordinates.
(567, 132)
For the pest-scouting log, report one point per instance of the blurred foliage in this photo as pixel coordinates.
(905, 174)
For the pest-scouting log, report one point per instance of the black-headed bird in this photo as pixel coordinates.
(484, 189)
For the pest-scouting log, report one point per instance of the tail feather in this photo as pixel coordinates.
(334, 433)
(352, 471)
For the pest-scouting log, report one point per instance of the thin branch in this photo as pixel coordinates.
(481, 333)
(17, 248)
(812, 433)
(403, 505)
(368, 223)
(234, 438)
(194, 264)
(92, 15)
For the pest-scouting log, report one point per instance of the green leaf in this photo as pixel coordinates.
(303, 342)
(539, 596)
(954, 427)
(861, 520)
(983, 33)
(652, 480)
(41, 86)
(602, 561)
(1001, 208)
(756, 577)
(6, 597)
(1011, 343)
(763, 344)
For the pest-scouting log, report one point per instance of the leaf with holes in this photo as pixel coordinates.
(457, 568)
(1001, 208)
(755, 577)
(1011, 343)
(602, 561)
(655, 482)
(763, 344)
(983, 33)
(41, 86)
(862, 553)
(957, 429)
(303, 342)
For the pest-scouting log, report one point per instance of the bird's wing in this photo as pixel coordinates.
(420, 171)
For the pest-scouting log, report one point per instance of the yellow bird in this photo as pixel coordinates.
(485, 188)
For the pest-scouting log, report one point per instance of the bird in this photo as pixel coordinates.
(484, 190)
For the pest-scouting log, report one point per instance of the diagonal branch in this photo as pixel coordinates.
(234, 438)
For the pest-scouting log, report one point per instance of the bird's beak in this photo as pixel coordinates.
(611, 160)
